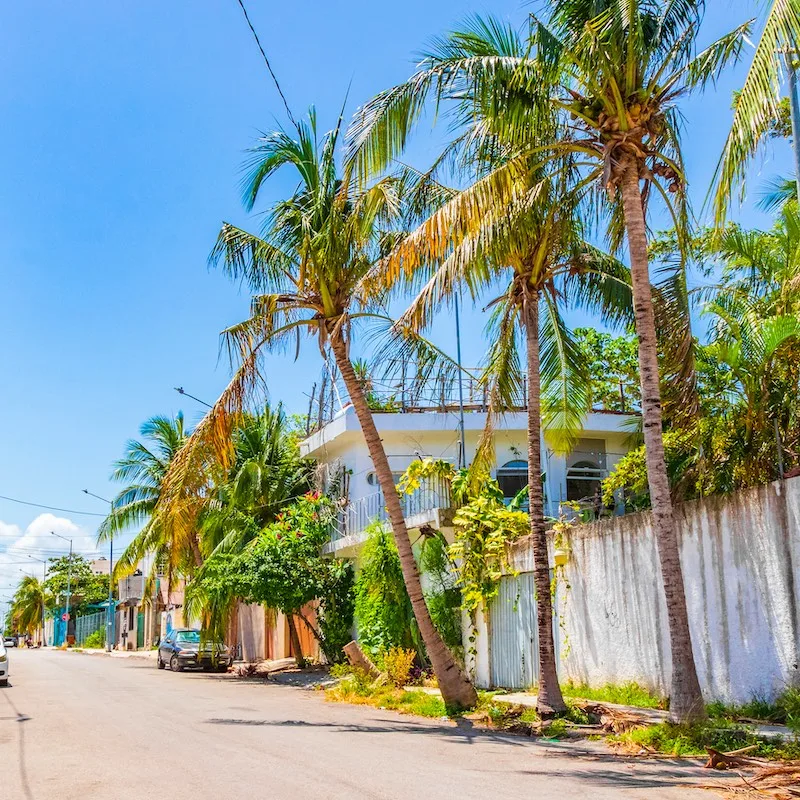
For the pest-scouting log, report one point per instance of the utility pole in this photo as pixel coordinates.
(794, 113)
(69, 583)
(462, 455)
(111, 610)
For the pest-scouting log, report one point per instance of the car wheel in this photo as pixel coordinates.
(4, 682)
(222, 668)
(160, 663)
(175, 665)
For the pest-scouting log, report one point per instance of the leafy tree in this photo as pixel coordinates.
(382, 608)
(613, 369)
(86, 588)
(286, 570)
(307, 274)
(282, 568)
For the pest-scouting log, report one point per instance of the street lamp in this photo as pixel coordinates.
(180, 390)
(111, 610)
(69, 583)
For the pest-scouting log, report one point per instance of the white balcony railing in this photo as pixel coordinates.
(356, 516)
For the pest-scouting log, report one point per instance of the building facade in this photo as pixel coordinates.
(344, 463)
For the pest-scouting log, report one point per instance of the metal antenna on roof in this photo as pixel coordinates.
(462, 454)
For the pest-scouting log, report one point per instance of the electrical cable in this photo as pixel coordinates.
(52, 508)
(269, 66)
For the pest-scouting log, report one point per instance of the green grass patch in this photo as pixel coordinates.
(356, 690)
(785, 710)
(625, 694)
(692, 740)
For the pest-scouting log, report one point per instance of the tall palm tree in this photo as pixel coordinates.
(758, 103)
(306, 272)
(521, 238)
(267, 475)
(143, 468)
(617, 70)
(626, 65)
(28, 605)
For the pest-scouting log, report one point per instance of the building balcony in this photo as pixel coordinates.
(431, 504)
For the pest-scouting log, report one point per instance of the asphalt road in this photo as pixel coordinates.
(76, 726)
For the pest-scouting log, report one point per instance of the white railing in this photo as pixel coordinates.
(356, 516)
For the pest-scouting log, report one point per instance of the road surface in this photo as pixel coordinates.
(75, 726)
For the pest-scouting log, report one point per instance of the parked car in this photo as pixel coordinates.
(10, 641)
(183, 648)
(3, 664)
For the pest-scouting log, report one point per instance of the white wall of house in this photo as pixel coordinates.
(409, 436)
(741, 565)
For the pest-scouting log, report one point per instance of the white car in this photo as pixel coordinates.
(3, 665)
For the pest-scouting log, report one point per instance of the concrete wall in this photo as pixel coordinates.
(740, 557)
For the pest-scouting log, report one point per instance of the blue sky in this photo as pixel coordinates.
(123, 131)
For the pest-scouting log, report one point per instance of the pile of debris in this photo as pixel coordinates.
(780, 781)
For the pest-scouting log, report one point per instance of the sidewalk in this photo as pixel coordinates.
(652, 716)
(96, 651)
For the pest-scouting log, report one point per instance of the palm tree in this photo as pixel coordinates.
(267, 475)
(28, 605)
(616, 70)
(143, 468)
(625, 67)
(758, 103)
(306, 273)
(521, 234)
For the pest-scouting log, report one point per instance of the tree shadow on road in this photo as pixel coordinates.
(463, 730)
(20, 719)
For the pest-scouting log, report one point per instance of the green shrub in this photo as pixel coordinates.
(96, 639)
(398, 662)
(384, 615)
(692, 740)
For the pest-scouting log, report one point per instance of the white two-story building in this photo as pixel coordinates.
(338, 447)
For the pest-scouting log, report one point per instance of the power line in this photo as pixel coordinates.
(52, 508)
(266, 61)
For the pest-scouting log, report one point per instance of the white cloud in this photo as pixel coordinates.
(19, 548)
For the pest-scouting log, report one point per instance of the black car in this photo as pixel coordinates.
(182, 648)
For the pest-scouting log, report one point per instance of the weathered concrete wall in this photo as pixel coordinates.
(740, 557)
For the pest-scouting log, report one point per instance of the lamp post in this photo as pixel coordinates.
(180, 390)
(69, 583)
(44, 578)
(111, 611)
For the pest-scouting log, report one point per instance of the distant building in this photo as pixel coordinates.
(99, 566)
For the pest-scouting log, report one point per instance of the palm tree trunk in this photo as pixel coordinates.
(686, 700)
(549, 700)
(294, 641)
(457, 691)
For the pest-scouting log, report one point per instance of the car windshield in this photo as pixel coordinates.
(188, 637)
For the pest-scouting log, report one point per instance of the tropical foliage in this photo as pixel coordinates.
(283, 568)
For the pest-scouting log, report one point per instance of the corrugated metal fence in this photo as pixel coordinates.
(87, 624)
(514, 642)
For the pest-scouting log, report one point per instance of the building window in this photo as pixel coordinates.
(512, 478)
(583, 480)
